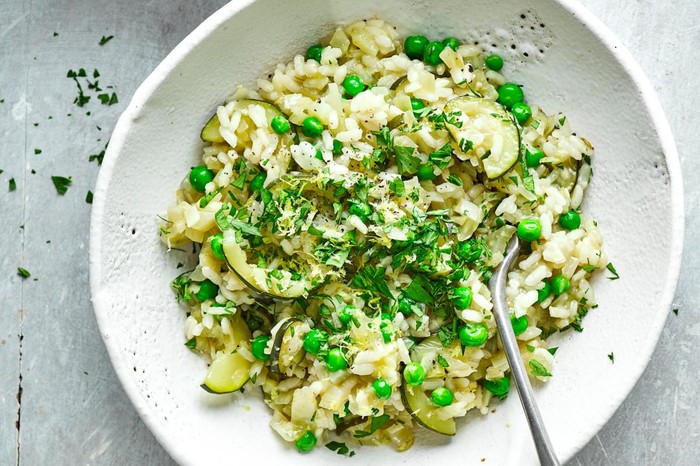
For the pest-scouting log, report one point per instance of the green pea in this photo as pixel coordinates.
(414, 46)
(258, 347)
(533, 157)
(200, 177)
(258, 181)
(280, 125)
(337, 147)
(414, 374)
(382, 389)
(361, 209)
(451, 42)
(494, 62)
(462, 297)
(306, 442)
(510, 94)
(442, 396)
(353, 85)
(521, 111)
(417, 105)
(469, 251)
(314, 52)
(335, 361)
(431, 54)
(426, 173)
(312, 127)
(529, 229)
(543, 293)
(570, 220)
(207, 290)
(345, 315)
(519, 324)
(314, 340)
(217, 245)
(473, 335)
(560, 285)
(498, 387)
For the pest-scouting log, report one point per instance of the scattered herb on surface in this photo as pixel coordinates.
(12, 184)
(611, 357)
(89, 197)
(105, 39)
(24, 273)
(61, 184)
(538, 369)
(612, 270)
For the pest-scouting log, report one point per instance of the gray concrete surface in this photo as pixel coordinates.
(60, 402)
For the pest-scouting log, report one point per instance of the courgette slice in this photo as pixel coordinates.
(496, 127)
(260, 280)
(228, 372)
(280, 355)
(423, 411)
(211, 133)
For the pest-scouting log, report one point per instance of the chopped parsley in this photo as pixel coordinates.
(89, 197)
(442, 157)
(611, 357)
(397, 187)
(442, 361)
(181, 285)
(589, 268)
(611, 269)
(12, 184)
(372, 279)
(455, 180)
(37, 151)
(191, 343)
(24, 273)
(675, 310)
(553, 350)
(105, 39)
(61, 184)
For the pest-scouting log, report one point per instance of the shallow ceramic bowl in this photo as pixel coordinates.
(567, 60)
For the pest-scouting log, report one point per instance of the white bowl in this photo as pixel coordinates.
(574, 65)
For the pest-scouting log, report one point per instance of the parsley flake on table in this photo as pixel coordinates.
(12, 184)
(105, 39)
(24, 273)
(611, 357)
(37, 151)
(61, 184)
(611, 269)
(89, 197)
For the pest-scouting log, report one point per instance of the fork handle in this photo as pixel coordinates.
(497, 285)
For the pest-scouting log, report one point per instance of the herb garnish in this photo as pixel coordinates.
(24, 273)
(61, 184)
(12, 184)
(611, 269)
(105, 39)
(538, 369)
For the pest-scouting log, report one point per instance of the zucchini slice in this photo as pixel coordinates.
(228, 372)
(281, 356)
(261, 280)
(422, 409)
(210, 132)
(491, 122)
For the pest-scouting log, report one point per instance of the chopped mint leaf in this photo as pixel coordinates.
(24, 273)
(12, 184)
(406, 162)
(191, 343)
(611, 357)
(397, 187)
(37, 151)
(455, 180)
(538, 369)
(89, 197)
(611, 269)
(340, 448)
(589, 268)
(675, 310)
(442, 361)
(61, 184)
(105, 39)
(530, 348)
(553, 350)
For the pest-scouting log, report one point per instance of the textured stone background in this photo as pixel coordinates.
(73, 410)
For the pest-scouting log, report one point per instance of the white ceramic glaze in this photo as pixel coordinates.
(574, 65)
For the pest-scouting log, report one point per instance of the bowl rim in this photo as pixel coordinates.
(209, 25)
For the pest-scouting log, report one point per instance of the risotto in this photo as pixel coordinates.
(349, 213)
